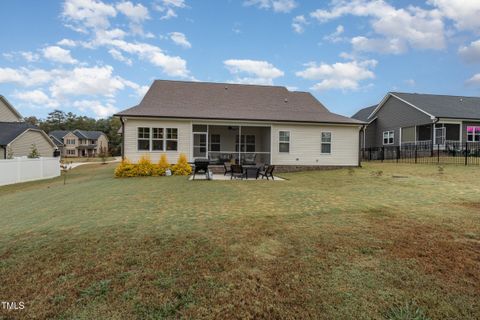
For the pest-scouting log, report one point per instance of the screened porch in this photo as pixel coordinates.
(246, 145)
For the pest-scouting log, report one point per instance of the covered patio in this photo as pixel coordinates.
(234, 144)
(438, 134)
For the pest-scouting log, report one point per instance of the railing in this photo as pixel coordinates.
(220, 157)
(466, 153)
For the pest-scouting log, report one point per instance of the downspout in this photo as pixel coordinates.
(364, 128)
(123, 138)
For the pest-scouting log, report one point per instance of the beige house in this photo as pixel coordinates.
(80, 143)
(18, 138)
(246, 124)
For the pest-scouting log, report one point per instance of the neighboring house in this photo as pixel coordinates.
(231, 122)
(412, 118)
(80, 143)
(18, 137)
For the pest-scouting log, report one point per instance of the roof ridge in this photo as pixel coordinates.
(434, 94)
(226, 83)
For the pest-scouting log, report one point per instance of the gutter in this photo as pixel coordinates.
(123, 138)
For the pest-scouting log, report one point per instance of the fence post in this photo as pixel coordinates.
(383, 153)
(398, 153)
(438, 153)
(415, 153)
(466, 153)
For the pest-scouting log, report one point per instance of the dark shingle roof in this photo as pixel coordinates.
(10, 130)
(82, 134)
(442, 106)
(202, 100)
(364, 113)
(58, 142)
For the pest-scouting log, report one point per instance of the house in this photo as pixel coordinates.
(80, 143)
(226, 122)
(17, 137)
(412, 119)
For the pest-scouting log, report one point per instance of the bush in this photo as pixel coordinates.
(182, 168)
(162, 166)
(126, 169)
(145, 166)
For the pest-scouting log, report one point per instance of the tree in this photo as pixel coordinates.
(34, 152)
(32, 120)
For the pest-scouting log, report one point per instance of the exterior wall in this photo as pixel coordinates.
(2, 153)
(395, 114)
(70, 146)
(466, 124)
(184, 139)
(24, 169)
(6, 114)
(305, 144)
(102, 141)
(369, 134)
(22, 145)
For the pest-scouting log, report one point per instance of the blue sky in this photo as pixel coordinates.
(96, 57)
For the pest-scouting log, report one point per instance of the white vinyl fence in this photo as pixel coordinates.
(25, 169)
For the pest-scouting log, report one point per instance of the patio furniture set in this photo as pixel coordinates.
(235, 171)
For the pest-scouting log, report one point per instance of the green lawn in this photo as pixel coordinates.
(383, 241)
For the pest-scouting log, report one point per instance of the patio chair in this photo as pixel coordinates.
(227, 167)
(250, 159)
(267, 172)
(200, 166)
(237, 172)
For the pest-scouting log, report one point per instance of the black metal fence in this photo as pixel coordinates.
(466, 153)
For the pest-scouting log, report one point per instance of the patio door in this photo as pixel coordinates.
(440, 136)
(200, 145)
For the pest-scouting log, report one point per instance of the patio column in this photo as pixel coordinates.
(239, 144)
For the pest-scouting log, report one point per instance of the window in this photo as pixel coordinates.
(172, 139)
(157, 139)
(70, 141)
(284, 141)
(92, 141)
(326, 146)
(70, 152)
(247, 143)
(144, 139)
(215, 142)
(388, 137)
(473, 134)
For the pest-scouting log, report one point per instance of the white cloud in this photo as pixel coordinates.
(417, 27)
(474, 80)
(471, 53)
(30, 56)
(336, 35)
(36, 98)
(379, 45)
(168, 7)
(67, 43)
(180, 39)
(340, 75)
(256, 71)
(283, 6)
(25, 77)
(410, 82)
(57, 54)
(99, 109)
(117, 55)
(298, 24)
(465, 13)
(136, 13)
(94, 81)
(88, 13)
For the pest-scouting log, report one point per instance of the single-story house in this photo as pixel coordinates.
(412, 118)
(226, 122)
(80, 143)
(17, 137)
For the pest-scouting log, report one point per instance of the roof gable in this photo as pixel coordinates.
(10, 130)
(364, 114)
(7, 112)
(203, 100)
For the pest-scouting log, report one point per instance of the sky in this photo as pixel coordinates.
(97, 57)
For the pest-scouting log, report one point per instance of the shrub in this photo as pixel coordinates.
(144, 166)
(162, 166)
(34, 152)
(182, 168)
(125, 169)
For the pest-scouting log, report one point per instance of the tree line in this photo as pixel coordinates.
(59, 120)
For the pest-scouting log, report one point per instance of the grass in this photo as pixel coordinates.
(86, 159)
(385, 241)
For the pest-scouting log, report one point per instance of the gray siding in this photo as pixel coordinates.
(6, 114)
(395, 114)
(2, 153)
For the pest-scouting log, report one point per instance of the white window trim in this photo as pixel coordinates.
(150, 139)
(388, 137)
(289, 141)
(330, 143)
(475, 128)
